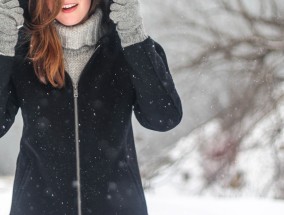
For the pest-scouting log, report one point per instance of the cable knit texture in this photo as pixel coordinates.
(11, 16)
(129, 23)
(79, 42)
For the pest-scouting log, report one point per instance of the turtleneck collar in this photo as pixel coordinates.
(85, 34)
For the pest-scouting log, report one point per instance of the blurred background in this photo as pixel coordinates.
(226, 59)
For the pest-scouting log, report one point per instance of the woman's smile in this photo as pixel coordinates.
(68, 8)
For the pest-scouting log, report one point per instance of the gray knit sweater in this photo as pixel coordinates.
(78, 43)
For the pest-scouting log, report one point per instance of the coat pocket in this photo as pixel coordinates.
(132, 175)
(22, 183)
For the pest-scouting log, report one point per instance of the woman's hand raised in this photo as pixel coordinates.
(127, 16)
(11, 16)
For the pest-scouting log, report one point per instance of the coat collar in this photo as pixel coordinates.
(110, 41)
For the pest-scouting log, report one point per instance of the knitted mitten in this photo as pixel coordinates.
(11, 16)
(130, 28)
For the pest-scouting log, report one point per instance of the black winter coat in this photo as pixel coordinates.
(77, 153)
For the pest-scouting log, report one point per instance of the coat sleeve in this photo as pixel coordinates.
(8, 101)
(157, 105)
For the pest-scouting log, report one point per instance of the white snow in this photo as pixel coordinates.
(165, 200)
(6, 184)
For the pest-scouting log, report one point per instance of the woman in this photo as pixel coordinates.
(77, 69)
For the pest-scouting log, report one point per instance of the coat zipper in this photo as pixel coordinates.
(76, 94)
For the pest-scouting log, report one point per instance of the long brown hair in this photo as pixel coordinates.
(45, 49)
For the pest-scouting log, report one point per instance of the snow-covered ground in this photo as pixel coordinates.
(167, 201)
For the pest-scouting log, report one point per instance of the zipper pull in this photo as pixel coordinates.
(75, 90)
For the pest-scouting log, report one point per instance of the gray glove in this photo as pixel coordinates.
(126, 14)
(11, 16)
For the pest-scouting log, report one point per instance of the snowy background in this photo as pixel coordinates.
(166, 201)
(227, 154)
